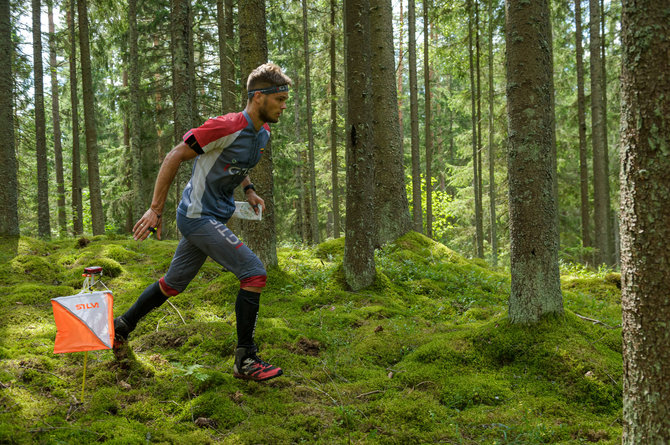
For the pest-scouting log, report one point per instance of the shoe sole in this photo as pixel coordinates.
(249, 377)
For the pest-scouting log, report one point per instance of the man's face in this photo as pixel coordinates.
(272, 106)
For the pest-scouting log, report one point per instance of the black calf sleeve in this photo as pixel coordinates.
(246, 312)
(150, 299)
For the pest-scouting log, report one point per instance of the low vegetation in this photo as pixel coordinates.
(426, 355)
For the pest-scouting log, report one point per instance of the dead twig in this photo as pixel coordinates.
(369, 393)
(594, 321)
(175, 308)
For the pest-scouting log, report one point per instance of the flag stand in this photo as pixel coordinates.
(83, 381)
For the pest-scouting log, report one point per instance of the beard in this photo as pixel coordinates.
(265, 117)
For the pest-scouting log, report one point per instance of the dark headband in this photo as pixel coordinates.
(269, 90)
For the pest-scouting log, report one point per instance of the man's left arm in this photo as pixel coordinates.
(250, 194)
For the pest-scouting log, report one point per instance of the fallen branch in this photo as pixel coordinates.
(369, 393)
(594, 321)
(175, 308)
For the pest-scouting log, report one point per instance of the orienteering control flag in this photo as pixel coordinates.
(84, 322)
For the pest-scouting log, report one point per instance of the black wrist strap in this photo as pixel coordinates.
(249, 186)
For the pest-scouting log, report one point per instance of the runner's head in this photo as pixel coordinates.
(268, 85)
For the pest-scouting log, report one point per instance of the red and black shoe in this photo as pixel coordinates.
(249, 366)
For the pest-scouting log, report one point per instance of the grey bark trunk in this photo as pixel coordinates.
(9, 216)
(262, 238)
(533, 206)
(77, 207)
(492, 178)
(428, 140)
(417, 212)
(645, 221)
(392, 217)
(359, 260)
(135, 114)
(97, 216)
(479, 232)
(334, 162)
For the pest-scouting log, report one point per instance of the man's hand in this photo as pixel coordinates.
(255, 200)
(151, 222)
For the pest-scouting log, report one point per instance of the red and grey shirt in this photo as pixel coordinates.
(228, 148)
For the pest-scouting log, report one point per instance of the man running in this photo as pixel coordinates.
(227, 148)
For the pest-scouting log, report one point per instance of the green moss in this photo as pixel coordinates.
(35, 268)
(330, 249)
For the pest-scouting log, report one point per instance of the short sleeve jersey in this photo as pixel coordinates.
(228, 148)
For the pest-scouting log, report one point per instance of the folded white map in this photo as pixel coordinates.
(244, 210)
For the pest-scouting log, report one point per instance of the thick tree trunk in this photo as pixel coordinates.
(428, 140)
(391, 215)
(417, 212)
(533, 206)
(399, 71)
(311, 168)
(9, 216)
(262, 238)
(334, 162)
(77, 207)
(359, 259)
(95, 193)
(645, 221)
(581, 116)
(43, 217)
(601, 199)
(492, 178)
(135, 114)
(55, 111)
(226, 64)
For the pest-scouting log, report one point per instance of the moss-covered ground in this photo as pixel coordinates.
(426, 355)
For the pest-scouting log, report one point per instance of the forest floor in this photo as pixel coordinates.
(426, 355)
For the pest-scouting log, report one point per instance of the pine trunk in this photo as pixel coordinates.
(135, 114)
(95, 193)
(43, 217)
(531, 163)
(359, 259)
(479, 232)
(428, 131)
(77, 207)
(9, 217)
(55, 111)
(601, 200)
(334, 162)
(645, 221)
(262, 239)
(391, 216)
(480, 170)
(492, 178)
(581, 116)
(417, 212)
(226, 65)
(311, 168)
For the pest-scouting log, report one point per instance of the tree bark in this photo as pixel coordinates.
(581, 116)
(334, 162)
(226, 64)
(97, 215)
(492, 178)
(359, 259)
(311, 168)
(262, 239)
(480, 170)
(417, 212)
(645, 220)
(535, 289)
(43, 217)
(55, 111)
(9, 193)
(135, 114)
(479, 230)
(391, 215)
(428, 139)
(77, 207)
(601, 200)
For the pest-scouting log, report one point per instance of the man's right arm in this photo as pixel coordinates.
(166, 175)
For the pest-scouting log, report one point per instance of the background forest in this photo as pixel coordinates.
(461, 70)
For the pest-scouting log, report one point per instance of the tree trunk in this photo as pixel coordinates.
(611, 240)
(311, 168)
(417, 212)
(391, 216)
(479, 230)
(581, 115)
(399, 72)
(492, 178)
(428, 131)
(77, 207)
(533, 206)
(9, 193)
(645, 221)
(226, 64)
(43, 224)
(359, 259)
(334, 162)
(135, 114)
(97, 216)
(262, 239)
(480, 171)
(55, 111)
(601, 198)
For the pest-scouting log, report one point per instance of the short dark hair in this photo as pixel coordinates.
(267, 75)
